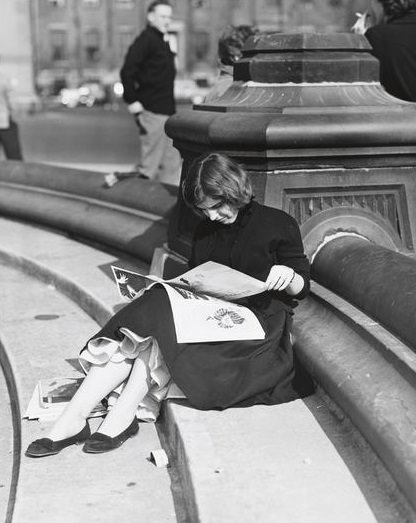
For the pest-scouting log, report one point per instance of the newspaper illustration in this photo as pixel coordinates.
(201, 301)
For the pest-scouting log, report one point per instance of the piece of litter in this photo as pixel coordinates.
(159, 458)
(307, 461)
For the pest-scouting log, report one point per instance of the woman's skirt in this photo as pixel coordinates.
(212, 375)
(101, 349)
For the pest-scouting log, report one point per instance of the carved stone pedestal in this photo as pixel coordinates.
(308, 118)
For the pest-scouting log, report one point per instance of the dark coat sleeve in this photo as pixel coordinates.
(272, 237)
(290, 252)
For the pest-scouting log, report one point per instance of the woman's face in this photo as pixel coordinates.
(218, 211)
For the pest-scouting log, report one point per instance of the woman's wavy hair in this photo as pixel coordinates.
(397, 8)
(216, 176)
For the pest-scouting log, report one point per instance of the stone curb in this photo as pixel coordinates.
(368, 373)
(7, 366)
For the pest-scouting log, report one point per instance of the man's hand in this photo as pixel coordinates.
(136, 109)
(362, 24)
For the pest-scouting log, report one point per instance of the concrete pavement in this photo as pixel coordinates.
(297, 462)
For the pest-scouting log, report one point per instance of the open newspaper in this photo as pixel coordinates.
(201, 300)
(51, 396)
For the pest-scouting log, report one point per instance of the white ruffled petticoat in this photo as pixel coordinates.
(101, 350)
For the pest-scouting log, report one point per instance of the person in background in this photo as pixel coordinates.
(138, 346)
(390, 27)
(148, 75)
(230, 45)
(9, 132)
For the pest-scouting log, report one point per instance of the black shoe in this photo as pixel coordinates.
(99, 442)
(47, 447)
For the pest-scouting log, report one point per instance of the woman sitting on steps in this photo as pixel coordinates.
(138, 349)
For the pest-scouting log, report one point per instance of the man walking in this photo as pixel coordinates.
(148, 77)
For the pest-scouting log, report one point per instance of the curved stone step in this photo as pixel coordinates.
(131, 216)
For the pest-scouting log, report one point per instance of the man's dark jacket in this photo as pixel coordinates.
(394, 44)
(148, 72)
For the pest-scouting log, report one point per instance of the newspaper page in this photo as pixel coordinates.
(219, 281)
(199, 317)
(198, 313)
(210, 278)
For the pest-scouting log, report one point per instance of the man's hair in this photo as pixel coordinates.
(216, 176)
(232, 41)
(152, 6)
(397, 8)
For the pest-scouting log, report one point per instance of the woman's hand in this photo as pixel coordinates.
(279, 278)
(282, 278)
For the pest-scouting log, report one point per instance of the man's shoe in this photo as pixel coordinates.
(99, 442)
(47, 447)
(112, 178)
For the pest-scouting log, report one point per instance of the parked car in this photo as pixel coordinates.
(87, 94)
(69, 97)
(95, 91)
(186, 90)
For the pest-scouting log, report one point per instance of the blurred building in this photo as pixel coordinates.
(75, 41)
